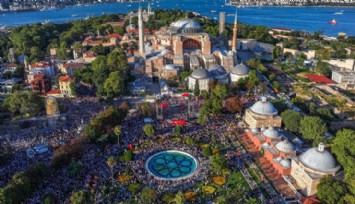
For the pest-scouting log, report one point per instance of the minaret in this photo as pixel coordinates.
(141, 33)
(235, 31)
(149, 9)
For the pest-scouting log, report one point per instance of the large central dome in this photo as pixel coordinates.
(264, 107)
(186, 25)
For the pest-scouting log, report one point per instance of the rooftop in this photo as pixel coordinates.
(66, 79)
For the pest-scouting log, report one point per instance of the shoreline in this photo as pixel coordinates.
(124, 2)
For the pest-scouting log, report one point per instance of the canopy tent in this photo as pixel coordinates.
(185, 95)
(164, 105)
(178, 122)
(182, 104)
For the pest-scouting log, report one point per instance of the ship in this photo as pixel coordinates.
(333, 22)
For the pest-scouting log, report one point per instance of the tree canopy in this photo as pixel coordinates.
(312, 129)
(292, 120)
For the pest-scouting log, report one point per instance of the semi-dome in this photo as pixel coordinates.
(241, 70)
(171, 67)
(264, 107)
(285, 163)
(200, 73)
(271, 132)
(285, 146)
(319, 159)
(186, 25)
(217, 70)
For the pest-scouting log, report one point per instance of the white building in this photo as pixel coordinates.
(345, 80)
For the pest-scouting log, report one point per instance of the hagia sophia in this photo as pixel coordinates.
(184, 46)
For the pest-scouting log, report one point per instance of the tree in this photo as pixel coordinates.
(24, 103)
(323, 68)
(178, 130)
(234, 105)
(111, 162)
(114, 85)
(330, 192)
(6, 151)
(313, 128)
(202, 118)
(74, 168)
(291, 120)
(146, 109)
(207, 151)
(276, 52)
(220, 91)
(325, 114)
(343, 148)
(117, 131)
(197, 88)
(148, 130)
(280, 105)
(218, 163)
(148, 195)
(180, 198)
(72, 88)
(81, 197)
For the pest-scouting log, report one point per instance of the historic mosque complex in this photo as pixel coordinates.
(306, 169)
(184, 46)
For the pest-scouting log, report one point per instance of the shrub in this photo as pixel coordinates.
(207, 151)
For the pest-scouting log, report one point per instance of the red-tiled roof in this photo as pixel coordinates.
(320, 79)
(66, 79)
(9, 65)
(114, 35)
(41, 64)
(310, 200)
(56, 91)
(73, 65)
(38, 76)
(90, 54)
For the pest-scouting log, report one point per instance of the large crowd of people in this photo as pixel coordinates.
(94, 160)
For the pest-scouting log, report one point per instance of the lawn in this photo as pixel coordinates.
(237, 180)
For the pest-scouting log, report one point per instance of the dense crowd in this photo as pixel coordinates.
(79, 111)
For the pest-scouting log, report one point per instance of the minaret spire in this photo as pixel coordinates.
(141, 32)
(235, 32)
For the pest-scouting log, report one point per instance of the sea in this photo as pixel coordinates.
(308, 19)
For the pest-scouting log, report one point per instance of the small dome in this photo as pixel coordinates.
(285, 146)
(255, 130)
(171, 67)
(217, 70)
(164, 52)
(271, 132)
(319, 159)
(278, 159)
(241, 70)
(264, 107)
(285, 163)
(200, 73)
(266, 144)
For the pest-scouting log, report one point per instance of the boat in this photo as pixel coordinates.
(342, 34)
(75, 15)
(231, 14)
(333, 22)
(213, 11)
(339, 13)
